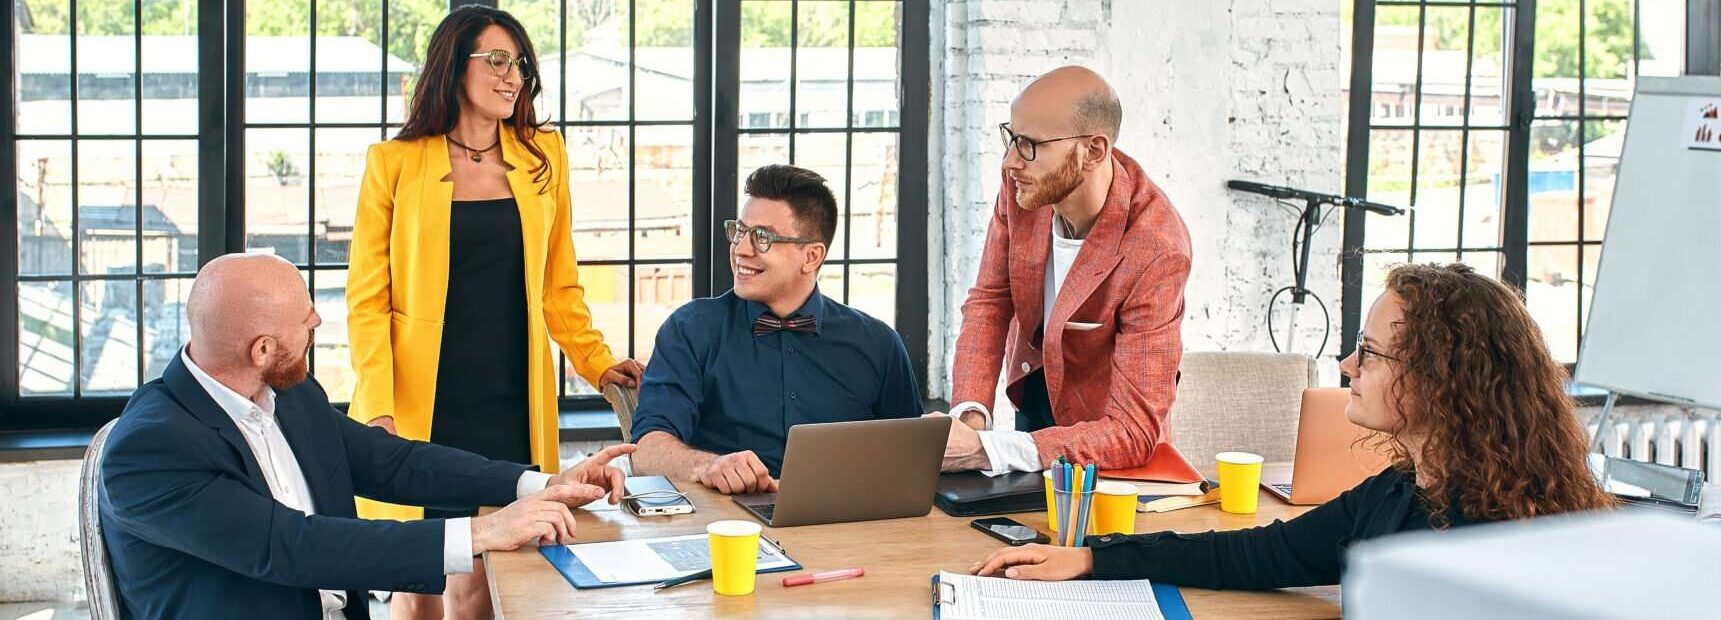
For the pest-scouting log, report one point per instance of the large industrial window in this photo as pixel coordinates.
(153, 136)
(1499, 124)
(103, 162)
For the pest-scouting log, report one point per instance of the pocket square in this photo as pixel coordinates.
(1078, 326)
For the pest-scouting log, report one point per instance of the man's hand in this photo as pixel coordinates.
(625, 373)
(739, 472)
(974, 419)
(596, 471)
(385, 423)
(963, 450)
(541, 517)
(1037, 563)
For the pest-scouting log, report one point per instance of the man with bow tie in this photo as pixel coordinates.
(732, 373)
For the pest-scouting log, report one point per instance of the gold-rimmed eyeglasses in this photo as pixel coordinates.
(500, 61)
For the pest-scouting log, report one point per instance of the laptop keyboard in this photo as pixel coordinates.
(1283, 488)
(765, 510)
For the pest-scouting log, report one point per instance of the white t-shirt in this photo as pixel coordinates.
(1064, 253)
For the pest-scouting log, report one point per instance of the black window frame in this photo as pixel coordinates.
(1521, 114)
(220, 86)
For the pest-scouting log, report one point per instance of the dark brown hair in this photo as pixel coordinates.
(805, 192)
(1501, 436)
(436, 98)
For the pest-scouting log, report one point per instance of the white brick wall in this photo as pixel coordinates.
(1211, 91)
(39, 532)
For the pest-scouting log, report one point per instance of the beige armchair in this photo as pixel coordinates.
(1239, 401)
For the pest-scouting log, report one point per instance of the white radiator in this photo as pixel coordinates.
(1688, 440)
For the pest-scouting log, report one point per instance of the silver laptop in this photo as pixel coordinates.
(855, 471)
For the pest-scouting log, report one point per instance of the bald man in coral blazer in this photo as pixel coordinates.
(1079, 297)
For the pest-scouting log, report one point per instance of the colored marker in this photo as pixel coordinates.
(834, 575)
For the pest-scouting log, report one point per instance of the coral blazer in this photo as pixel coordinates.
(1112, 347)
(397, 288)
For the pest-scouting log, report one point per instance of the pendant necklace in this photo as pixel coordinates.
(477, 155)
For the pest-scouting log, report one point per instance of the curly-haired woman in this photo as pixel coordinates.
(1454, 373)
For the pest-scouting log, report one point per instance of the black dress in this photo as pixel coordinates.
(481, 375)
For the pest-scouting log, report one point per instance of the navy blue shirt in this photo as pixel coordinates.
(715, 386)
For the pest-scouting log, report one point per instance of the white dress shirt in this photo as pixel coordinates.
(1012, 450)
(257, 423)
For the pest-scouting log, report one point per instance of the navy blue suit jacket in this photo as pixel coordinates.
(193, 531)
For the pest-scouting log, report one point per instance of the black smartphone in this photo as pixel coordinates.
(1009, 531)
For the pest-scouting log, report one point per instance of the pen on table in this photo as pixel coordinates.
(684, 579)
(834, 575)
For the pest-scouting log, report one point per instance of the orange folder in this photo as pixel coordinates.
(1166, 465)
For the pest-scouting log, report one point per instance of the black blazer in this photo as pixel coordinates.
(193, 531)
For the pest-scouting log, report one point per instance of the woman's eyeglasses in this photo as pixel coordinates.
(762, 239)
(500, 61)
(1363, 352)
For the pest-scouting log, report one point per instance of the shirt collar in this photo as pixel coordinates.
(235, 404)
(813, 307)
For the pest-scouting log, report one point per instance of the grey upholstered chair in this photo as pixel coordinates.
(98, 573)
(1239, 401)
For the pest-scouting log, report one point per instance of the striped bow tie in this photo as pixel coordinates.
(768, 323)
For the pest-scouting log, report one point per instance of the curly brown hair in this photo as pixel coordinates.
(1501, 438)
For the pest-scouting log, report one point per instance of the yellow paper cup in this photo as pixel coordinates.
(1051, 508)
(734, 556)
(1114, 508)
(1239, 474)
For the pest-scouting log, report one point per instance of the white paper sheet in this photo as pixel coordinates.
(658, 559)
(967, 596)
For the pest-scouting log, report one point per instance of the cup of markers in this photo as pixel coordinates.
(1071, 501)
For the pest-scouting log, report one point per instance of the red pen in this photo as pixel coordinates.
(801, 580)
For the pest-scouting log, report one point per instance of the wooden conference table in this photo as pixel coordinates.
(899, 555)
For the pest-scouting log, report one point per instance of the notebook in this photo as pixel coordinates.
(956, 596)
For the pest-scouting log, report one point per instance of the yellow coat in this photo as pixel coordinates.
(397, 287)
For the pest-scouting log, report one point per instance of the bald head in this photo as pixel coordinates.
(1071, 100)
(238, 298)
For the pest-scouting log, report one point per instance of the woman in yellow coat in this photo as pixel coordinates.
(462, 271)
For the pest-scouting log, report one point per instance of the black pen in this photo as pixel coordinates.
(684, 579)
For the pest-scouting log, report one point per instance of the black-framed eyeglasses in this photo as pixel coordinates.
(1363, 352)
(762, 239)
(500, 61)
(1028, 148)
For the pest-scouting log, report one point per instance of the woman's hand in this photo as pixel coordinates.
(1037, 563)
(625, 373)
(385, 423)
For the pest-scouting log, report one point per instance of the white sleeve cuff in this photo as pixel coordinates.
(531, 482)
(1010, 451)
(457, 546)
(969, 405)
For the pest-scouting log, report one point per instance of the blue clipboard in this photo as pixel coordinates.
(579, 576)
(1169, 597)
